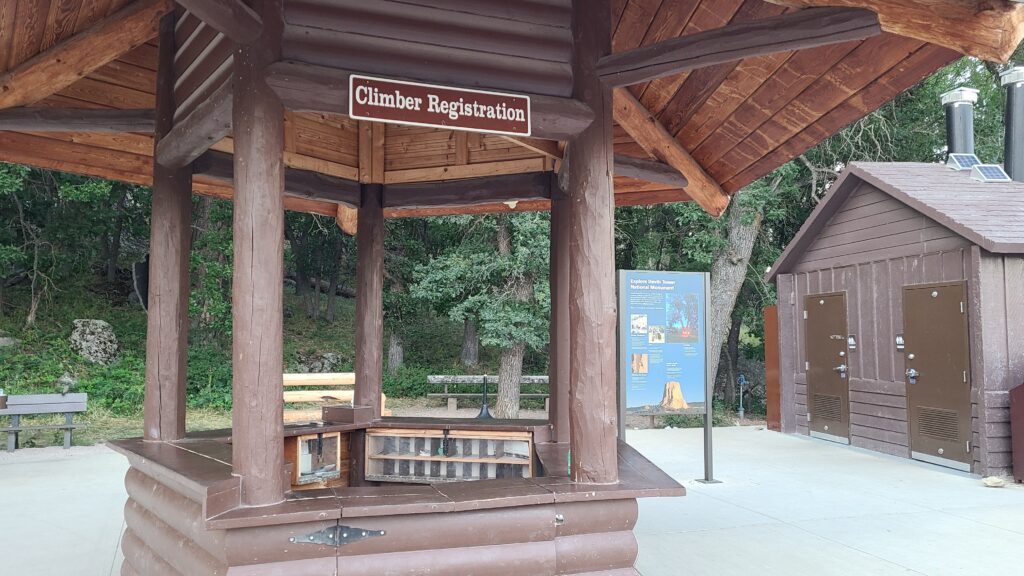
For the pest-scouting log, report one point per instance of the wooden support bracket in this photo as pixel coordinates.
(232, 17)
(209, 123)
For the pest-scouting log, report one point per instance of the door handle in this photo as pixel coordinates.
(912, 375)
(841, 369)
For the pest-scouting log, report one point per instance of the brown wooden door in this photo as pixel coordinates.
(938, 373)
(828, 389)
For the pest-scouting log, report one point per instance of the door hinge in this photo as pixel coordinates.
(961, 307)
(965, 376)
(807, 366)
(968, 446)
(336, 536)
(805, 314)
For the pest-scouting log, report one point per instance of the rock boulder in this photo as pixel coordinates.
(95, 341)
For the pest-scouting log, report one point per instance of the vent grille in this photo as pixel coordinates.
(939, 424)
(828, 408)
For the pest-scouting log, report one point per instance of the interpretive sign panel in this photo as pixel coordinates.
(383, 100)
(662, 344)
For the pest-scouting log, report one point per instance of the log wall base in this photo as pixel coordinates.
(184, 518)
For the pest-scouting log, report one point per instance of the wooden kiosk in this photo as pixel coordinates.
(630, 103)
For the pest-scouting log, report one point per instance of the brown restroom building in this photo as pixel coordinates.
(901, 305)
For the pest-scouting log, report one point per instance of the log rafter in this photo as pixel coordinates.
(64, 64)
(734, 42)
(652, 136)
(986, 29)
(232, 17)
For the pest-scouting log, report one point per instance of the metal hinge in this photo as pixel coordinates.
(965, 376)
(807, 366)
(805, 314)
(961, 307)
(337, 535)
(808, 416)
(968, 446)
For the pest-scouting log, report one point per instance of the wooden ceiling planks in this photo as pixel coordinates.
(738, 121)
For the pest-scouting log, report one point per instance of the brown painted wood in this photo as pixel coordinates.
(232, 17)
(369, 361)
(52, 70)
(771, 367)
(511, 188)
(799, 30)
(592, 318)
(297, 183)
(655, 140)
(207, 124)
(258, 281)
(169, 244)
(76, 120)
(558, 349)
(311, 88)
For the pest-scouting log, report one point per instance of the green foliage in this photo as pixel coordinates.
(720, 416)
(407, 382)
(209, 377)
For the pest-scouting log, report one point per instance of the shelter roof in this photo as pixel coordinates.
(988, 214)
(734, 121)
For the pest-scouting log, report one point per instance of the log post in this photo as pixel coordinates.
(370, 298)
(169, 244)
(258, 281)
(558, 362)
(592, 305)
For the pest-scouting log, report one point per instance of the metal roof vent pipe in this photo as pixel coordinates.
(1013, 80)
(959, 105)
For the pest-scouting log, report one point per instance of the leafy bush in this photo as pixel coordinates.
(209, 377)
(720, 416)
(408, 381)
(118, 386)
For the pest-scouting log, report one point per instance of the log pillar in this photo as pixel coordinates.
(369, 363)
(558, 348)
(258, 281)
(169, 243)
(592, 304)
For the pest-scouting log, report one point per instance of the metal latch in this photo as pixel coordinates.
(912, 375)
(337, 535)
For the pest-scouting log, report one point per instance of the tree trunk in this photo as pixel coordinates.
(470, 355)
(728, 272)
(510, 374)
(732, 356)
(396, 353)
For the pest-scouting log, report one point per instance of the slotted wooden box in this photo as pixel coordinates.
(299, 451)
(417, 455)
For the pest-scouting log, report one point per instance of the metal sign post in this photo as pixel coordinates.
(709, 393)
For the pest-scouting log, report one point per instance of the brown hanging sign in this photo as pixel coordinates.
(382, 100)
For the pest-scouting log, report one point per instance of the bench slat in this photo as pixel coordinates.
(478, 395)
(479, 379)
(26, 409)
(20, 399)
(324, 379)
(42, 427)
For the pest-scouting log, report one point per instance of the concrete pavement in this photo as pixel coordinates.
(792, 505)
(787, 506)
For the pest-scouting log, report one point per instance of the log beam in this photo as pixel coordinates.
(795, 31)
(649, 170)
(985, 29)
(209, 123)
(310, 88)
(53, 70)
(258, 283)
(77, 120)
(507, 188)
(298, 183)
(593, 408)
(232, 17)
(651, 135)
(169, 244)
(369, 361)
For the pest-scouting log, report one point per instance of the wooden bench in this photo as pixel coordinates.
(451, 383)
(320, 389)
(40, 404)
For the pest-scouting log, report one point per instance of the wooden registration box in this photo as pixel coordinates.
(319, 460)
(345, 414)
(428, 456)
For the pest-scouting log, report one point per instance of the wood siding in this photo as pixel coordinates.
(873, 226)
(870, 249)
(997, 346)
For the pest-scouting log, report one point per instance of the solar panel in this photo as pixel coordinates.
(990, 173)
(962, 161)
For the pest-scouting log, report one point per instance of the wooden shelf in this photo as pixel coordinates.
(411, 455)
